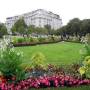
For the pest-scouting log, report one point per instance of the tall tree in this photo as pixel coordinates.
(73, 27)
(48, 27)
(3, 30)
(61, 31)
(31, 29)
(20, 27)
(85, 26)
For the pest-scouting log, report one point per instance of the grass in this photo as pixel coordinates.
(66, 88)
(59, 53)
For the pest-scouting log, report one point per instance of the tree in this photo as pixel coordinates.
(3, 30)
(48, 27)
(62, 31)
(85, 26)
(41, 31)
(73, 27)
(31, 29)
(37, 30)
(20, 27)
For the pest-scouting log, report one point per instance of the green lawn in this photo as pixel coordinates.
(66, 88)
(59, 53)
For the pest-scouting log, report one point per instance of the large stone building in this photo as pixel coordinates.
(39, 18)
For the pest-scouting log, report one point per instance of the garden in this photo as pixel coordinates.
(62, 65)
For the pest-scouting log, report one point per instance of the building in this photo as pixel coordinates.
(39, 18)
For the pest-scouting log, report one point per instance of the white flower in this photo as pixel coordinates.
(18, 54)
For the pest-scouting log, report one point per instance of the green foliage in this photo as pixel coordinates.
(35, 40)
(48, 27)
(51, 38)
(31, 29)
(3, 30)
(16, 40)
(58, 53)
(87, 48)
(19, 27)
(82, 70)
(75, 27)
(10, 63)
(41, 39)
(21, 40)
(87, 37)
(83, 87)
(38, 60)
(85, 69)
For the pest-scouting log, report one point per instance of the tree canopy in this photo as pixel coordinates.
(19, 27)
(3, 30)
(75, 27)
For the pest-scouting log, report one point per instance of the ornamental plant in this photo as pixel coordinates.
(38, 60)
(85, 69)
(38, 64)
(10, 61)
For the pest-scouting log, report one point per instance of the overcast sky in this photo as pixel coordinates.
(67, 9)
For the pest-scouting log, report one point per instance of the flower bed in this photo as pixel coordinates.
(33, 44)
(29, 41)
(44, 82)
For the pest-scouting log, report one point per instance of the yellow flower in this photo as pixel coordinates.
(82, 70)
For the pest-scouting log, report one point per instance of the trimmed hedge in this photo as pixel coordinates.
(33, 44)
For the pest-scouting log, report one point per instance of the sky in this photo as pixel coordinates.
(67, 9)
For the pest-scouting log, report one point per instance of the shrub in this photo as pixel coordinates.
(14, 40)
(21, 40)
(46, 82)
(75, 38)
(10, 62)
(56, 38)
(38, 64)
(85, 69)
(41, 39)
(87, 37)
(34, 40)
(50, 38)
(27, 40)
(38, 60)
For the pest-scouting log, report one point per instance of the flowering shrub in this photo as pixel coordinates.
(38, 60)
(85, 69)
(24, 41)
(38, 64)
(10, 61)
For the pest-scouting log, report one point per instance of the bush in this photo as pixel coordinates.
(21, 40)
(41, 39)
(27, 40)
(85, 69)
(34, 40)
(38, 64)
(10, 62)
(51, 38)
(14, 40)
(38, 60)
(46, 82)
(56, 38)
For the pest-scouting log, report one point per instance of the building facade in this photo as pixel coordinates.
(38, 18)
